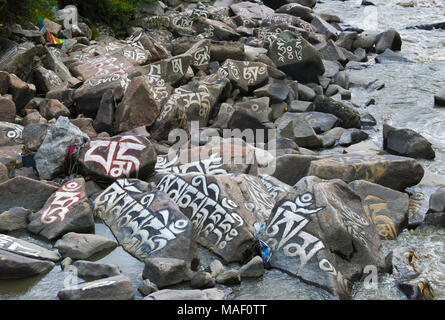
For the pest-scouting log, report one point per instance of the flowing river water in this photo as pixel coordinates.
(406, 101)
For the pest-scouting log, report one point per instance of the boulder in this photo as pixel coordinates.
(294, 126)
(386, 208)
(437, 200)
(67, 210)
(221, 195)
(311, 236)
(296, 57)
(33, 135)
(53, 108)
(15, 266)
(83, 246)
(10, 134)
(139, 106)
(202, 280)
(320, 122)
(349, 117)
(229, 277)
(7, 110)
(245, 75)
(253, 269)
(439, 98)
(148, 224)
(21, 91)
(24, 192)
(95, 270)
(26, 249)
(406, 142)
(104, 119)
(108, 159)
(290, 168)
(164, 272)
(387, 170)
(147, 287)
(51, 156)
(14, 219)
(388, 40)
(17, 58)
(46, 80)
(86, 125)
(296, 10)
(112, 288)
(352, 136)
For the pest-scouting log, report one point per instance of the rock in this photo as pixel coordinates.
(232, 198)
(439, 98)
(14, 219)
(387, 170)
(51, 156)
(216, 268)
(437, 200)
(321, 122)
(107, 159)
(7, 110)
(170, 294)
(352, 136)
(24, 192)
(296, 10)
(94, 270)
(104, 119)
(164, 272)
(66, 263)
(4, 82)
(328, 224)
(26, 249)
(254, 74)
(147, 287)
(389, 56)
(277, 92)
(53, 108)
(14, 266)
(86, 126)
(324, 28)
(67, 210)
(83, 246)
(33, 117)
(10, 155)
(148, 224)
(46, 80)
(295, 127)
(10, 134)
(229, 278)
(253, 269)
(418, 207)
(290, 168)
(52, 26)
(34, 135)
(17, 58)
(350, 118)
(113, 288)
(300, 106)
(388, 40)
(301, 61)
(306, 93)
(21, 91)
(249, 10)
(4, 173)
(417, 289)
(139, 106)
(406, 142)
(202, 280)
(386, 208)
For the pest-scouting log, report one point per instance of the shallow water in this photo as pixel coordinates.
(406, 101)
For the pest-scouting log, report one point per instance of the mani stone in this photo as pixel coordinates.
(386, 208)
(112, 288)
(387, 170)
(95, 270)
(171, 294)
(82, 246)
(24, 192)
(10, 134)
(126, 156)
(164, 272)
(147, 224)
(51, 156)
(14, 266)
(27, 249)
(66, 210)
(14, 219)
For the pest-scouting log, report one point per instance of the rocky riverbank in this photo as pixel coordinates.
(270, 166)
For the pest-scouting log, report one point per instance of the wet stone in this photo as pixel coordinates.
(83, 246)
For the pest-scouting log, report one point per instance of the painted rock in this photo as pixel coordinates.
(25, 192)
(418, 207)
(112, 288)
(295, 56)
(387, 170)
(17, 58)
(108, 159)
(146, 223)
(200, 53)
(66, 210)
(312, 231)
(245, 75)
(15, 266)
(221, 215)
(27, 249)
(10, 134)
(386, 208)
(83, 246)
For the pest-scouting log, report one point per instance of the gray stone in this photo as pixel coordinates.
(14, 266)
(229, 277)
(202, 280)
(253, 269)
(14, 219)
(27, 249)
(164, 272)
(216, 268)
(83, 246)
(147, 287)
(95, 270)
